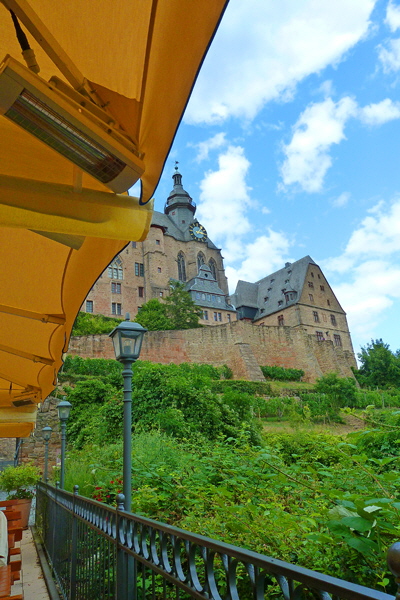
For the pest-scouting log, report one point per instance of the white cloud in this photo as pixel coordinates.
(393, 16)
(307, 154)
(390, 55)
(263, 48)
(263, 256)
(380, 113)
(341, 200)
(224, 203)
(224, 200)
(368, 270)
(213, 143)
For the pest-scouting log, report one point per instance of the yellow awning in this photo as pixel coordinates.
(59, 228)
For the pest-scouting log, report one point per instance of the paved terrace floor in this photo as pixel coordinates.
(31, 584)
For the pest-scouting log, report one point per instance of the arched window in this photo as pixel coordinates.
(213, 267)
(181, 267)
(115, 270)
(201, 259)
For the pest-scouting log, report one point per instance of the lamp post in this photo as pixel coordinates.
(46, 432)
(64, 409)
(127, 338)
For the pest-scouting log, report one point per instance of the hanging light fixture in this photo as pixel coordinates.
(70, 124)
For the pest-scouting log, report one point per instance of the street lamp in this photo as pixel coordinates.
(46, 432)
(63, 408)
(127, 339)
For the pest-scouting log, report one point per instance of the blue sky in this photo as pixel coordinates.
(290, 146)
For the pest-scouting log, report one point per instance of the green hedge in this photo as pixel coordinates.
(256, 388)
(281, 373)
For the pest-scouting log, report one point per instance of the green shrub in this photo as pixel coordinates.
(341, 390)
(309, 447)
(89, 324)
(282, 373)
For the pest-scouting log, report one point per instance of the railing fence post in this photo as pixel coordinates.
(121, 574)
(393, 561)
(74, 546)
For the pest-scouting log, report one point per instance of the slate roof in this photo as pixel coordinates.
(205, 283)
(162, 220)
(268, 292)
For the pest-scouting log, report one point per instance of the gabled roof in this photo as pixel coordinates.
(267, 293)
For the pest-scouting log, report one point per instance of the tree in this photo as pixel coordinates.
(342, 390)
(380, 367)
(153, 316)
(181, 310)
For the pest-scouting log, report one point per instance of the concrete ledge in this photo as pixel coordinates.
(46, 569)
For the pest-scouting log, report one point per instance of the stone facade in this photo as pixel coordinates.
(297, 296)
(241, 345)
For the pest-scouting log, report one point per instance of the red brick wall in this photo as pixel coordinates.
(224, 344)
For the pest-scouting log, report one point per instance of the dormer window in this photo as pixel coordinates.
(272, 280)
(290, 296)
(266, 299)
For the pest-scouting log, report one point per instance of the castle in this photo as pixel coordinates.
(295, 304)
(177, 247)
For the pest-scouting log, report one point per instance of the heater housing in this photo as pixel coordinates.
(70, 124)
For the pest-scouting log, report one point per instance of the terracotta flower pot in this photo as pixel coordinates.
(24, 506)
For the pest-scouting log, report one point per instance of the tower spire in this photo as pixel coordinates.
(179, 198)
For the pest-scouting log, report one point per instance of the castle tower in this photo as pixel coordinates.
(179, 206)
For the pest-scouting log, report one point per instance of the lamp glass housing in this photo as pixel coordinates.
(46, 433)
(64, 409)
(127, 339)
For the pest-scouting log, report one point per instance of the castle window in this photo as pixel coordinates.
(262, 310)
(219, 316)
(215, 316)
(266, 299)
(310, 284)
(229, 317)
(161, 294)
(205, 315)
(333, 320)
(141, 292)
(312, 274)
(324, 317)
(286, 280)
(89, 306)
(201, 259)
(181, 267)
(319, 276)
(320, 336)
(133, 244)
(116, 308)
(328, 302)
(281, 321)
(337, 340)
(290, 296)
(213, 267)
(311, 297)
(208, 296)
(316, 317)
(198, 295)
(139, 269)
(322, 288)
(115, 288)
(115, 270)
(158, 269)
(158, 242)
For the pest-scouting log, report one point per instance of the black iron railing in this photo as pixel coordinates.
(101, 553)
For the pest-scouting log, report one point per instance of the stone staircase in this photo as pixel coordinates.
(250, 364)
